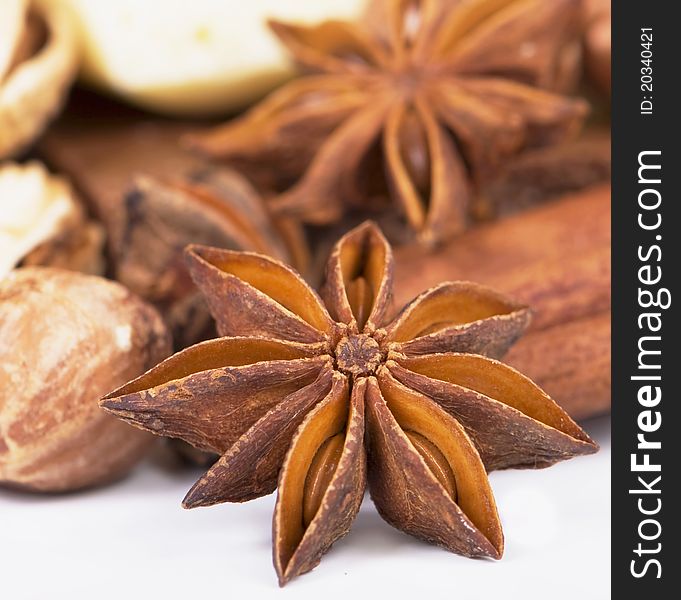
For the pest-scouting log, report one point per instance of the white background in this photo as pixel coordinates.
(132, 540)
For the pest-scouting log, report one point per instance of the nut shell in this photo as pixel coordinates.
(33, 90)
(43, 223)
(66, 339)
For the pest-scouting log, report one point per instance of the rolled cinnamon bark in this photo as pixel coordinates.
(555, 258)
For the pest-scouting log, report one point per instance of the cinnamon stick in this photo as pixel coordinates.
(556, 259)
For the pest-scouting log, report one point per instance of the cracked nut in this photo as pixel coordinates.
(38, 63)
(65, 340)
(42, 223)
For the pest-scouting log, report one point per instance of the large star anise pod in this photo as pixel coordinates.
(327, 396)
(416, 103)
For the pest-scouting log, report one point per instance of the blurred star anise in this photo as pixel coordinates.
(417, 103)
(327, 396)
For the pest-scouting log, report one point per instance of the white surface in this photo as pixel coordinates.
(132, 540)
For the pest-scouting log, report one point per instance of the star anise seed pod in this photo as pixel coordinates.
(433, 94)
(328, 395)
(210, 206)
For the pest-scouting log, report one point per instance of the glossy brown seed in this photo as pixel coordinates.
(319, 475)
(297, 547)
(362, 253)
(408, 494)
(249, 469)
(505, 413)
(435, 461)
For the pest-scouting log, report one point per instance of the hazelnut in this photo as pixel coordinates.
(66, 339)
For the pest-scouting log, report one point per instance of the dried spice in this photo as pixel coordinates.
(42, 222)
(159, 198)
(331, 396)
(575, 372)
(566, 349)
(542, 175)
(209, 206)
(102, 146)
(38, 62)
(415, 104)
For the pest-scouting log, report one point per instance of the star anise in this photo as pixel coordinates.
(327, 396)
(209, 206)
(418, 102)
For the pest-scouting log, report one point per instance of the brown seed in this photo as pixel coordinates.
(435, 461)
(360, 297)
(319, 476)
